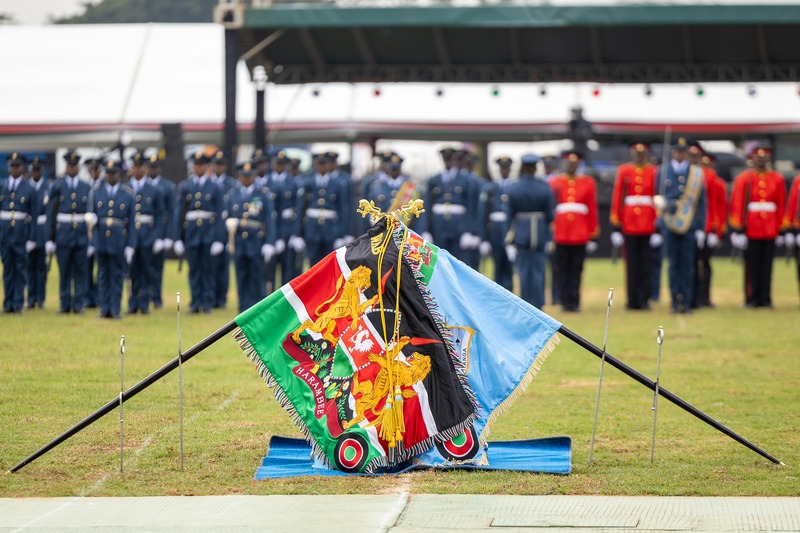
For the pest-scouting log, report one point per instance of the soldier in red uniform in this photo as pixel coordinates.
(633, 217)
(758, 206)
(792, 223)
(576, 227)
(716, 217)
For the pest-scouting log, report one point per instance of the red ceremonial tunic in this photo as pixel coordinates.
(792, 219)
(632, 206)
(717, 200)
(761, 211)
(576, 209)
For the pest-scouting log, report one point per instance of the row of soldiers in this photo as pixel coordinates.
(272, 217)
(683, 210)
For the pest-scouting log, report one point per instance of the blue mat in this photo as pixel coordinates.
(290, 457)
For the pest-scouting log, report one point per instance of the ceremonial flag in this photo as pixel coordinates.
(369, 354)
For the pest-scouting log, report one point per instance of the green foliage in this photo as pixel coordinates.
(131, 11)
(737, 365)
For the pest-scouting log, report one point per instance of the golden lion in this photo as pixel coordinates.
(348, 304)
(404, 374)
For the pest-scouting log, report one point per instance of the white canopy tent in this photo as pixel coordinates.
(85, 85)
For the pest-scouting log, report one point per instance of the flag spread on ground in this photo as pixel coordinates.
(389, 350)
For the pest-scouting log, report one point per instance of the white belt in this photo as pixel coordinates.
(498, 216)
(638, 200)
(41, 219)
(197, 214)
(449, 209)
(66, 218)
(110, 221)
(572, 207)
(287, 213)
(314, 212)
(144, 219)
(248, 223)
(762, 207)
(13, 215)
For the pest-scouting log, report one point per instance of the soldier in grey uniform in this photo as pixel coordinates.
(221, 263)
(110, 219)
(531, 207)
(17, 232)
(448, 198)
(94, 167)
(167, 189)
(200, 230)
(148, 220)
(250, 221)
(322, 205)
(69, 237)
(285, 186)
(37, 258)
(493, 213)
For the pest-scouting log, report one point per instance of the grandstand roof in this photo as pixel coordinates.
(505, 42)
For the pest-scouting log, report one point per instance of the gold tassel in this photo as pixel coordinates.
(387, 423)
(399, 417)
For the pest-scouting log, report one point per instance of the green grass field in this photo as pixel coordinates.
(742, 367)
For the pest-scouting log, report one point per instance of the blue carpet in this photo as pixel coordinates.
(289, 457)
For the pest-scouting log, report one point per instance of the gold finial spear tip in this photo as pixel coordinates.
(412, 209)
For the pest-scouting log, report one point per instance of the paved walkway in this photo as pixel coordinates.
(401, 513)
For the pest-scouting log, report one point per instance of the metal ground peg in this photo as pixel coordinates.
(660, 341)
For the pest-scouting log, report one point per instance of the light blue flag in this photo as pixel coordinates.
(502, 339)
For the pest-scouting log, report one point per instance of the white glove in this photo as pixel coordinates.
(231, 224)
(591, 247)
(267, 251)
(338, 243)
(297, 244)
(178, 248)
(91, 219)
(656, 240)
(427, 236)
(467, 241)
(617, 240)
(50, 247)
(700, 237)
(739, 240)
(550, 247)
(129, 251)
(158, 246)
(280, 246)
(713, 240)
(779, 241)
(476, 242)
(511, 252)
(90, 251)
(790, 241)
(660, 202)
(168, 244)
(217, 248)
(485, 248)
(30, 246)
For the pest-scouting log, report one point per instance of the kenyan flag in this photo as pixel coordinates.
(358, 354)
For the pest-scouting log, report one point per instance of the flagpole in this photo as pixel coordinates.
(130, 393)
(647, 382)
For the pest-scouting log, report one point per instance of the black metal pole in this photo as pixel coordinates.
(130, 393)
(647, 382)
(231, 60)
(260, 133)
